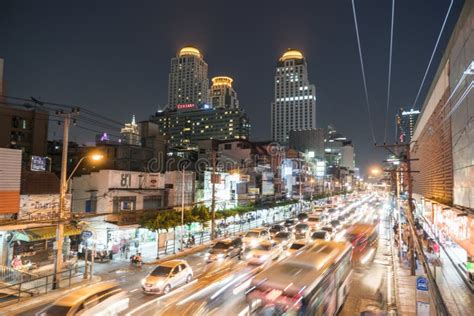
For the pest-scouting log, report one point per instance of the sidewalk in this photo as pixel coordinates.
(457, 296)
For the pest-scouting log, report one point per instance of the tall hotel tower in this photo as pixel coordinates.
(188, 81)
(294, 107)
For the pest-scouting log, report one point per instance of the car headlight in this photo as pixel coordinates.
(207, 255)
(264, 257)
(253, 243)
(220, 256)
(248, 256)
(143, 282)
(159, 283)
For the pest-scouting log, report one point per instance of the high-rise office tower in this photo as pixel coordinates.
(222, 95)
(294, 107)
(188, 81)
(406, 121)
(131, 133)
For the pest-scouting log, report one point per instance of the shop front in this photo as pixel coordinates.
(35, 246)
(453, 228)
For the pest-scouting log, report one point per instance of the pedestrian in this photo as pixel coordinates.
(16, 263)
(436, 249)
(193, 240)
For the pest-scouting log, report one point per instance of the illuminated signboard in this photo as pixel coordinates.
(38, 163)
(186, 106)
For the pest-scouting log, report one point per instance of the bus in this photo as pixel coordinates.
(311, 282)
(363, 238)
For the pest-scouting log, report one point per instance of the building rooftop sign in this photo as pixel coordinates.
(186, 106)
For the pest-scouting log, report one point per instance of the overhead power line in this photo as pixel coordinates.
(389, 73)
(432, 56)
(363, 72)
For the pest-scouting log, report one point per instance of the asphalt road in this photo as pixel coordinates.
(219, 288)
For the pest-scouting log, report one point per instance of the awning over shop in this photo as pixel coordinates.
(43, 233)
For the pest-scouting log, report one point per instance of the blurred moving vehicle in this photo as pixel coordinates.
(254, 236)
(226, 248)
(275, 229)
(167, 276)
(105, 298)
(314, 221)
(266, 250)
(302, 217)
(336, 225)
(313, 282)
(284, 239)
(290, 223)
(321, 234)
(296, 246)
(330, 230)
(363, 237)
(301, 231)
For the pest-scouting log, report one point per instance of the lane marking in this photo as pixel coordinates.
(181, 289)
(133, 290)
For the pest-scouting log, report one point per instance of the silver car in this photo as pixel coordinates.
(167, 276)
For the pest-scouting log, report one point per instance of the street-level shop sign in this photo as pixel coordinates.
(422, 296)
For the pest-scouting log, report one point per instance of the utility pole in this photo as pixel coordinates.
(182, 210)
(411, 211)
(213, 202)
(399, 214)
(58, 260)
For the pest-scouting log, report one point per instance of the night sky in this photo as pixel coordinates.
(113, 56)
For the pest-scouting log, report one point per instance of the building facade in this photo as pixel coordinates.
(405, 122)
(308, 141)
(24, 128)
(294, 106)
(188, 79)
(442, 146)
(187, 125)
(222, 95)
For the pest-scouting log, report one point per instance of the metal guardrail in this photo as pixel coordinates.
(24, 289)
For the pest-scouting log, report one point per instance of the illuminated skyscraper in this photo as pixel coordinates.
(406, 121)
(294, 107)
(131, 133)
(222, 95)
(188, 81)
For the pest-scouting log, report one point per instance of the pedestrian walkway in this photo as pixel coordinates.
(456, 295)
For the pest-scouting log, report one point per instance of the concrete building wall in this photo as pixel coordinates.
(308, 140)
(444, 132)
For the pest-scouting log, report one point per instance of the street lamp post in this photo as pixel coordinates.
(62, 197)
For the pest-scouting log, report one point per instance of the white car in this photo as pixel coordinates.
(265, 251)
(167, 276)
(255, 236)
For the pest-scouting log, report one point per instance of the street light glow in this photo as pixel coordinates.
(97, 157)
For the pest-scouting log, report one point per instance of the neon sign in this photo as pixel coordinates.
(186, 106)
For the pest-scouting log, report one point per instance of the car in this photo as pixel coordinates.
(254, 236)
(105, 298)
(275, 229)
(296, 246)
(302, 217)
(314, 221)
(226, 248)
(264, 251)
(167, 276)
(318, 211)
(330, 230)
(320, 234)
(336, 225)
(290, 223)
(284, 239)
(301, 231)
